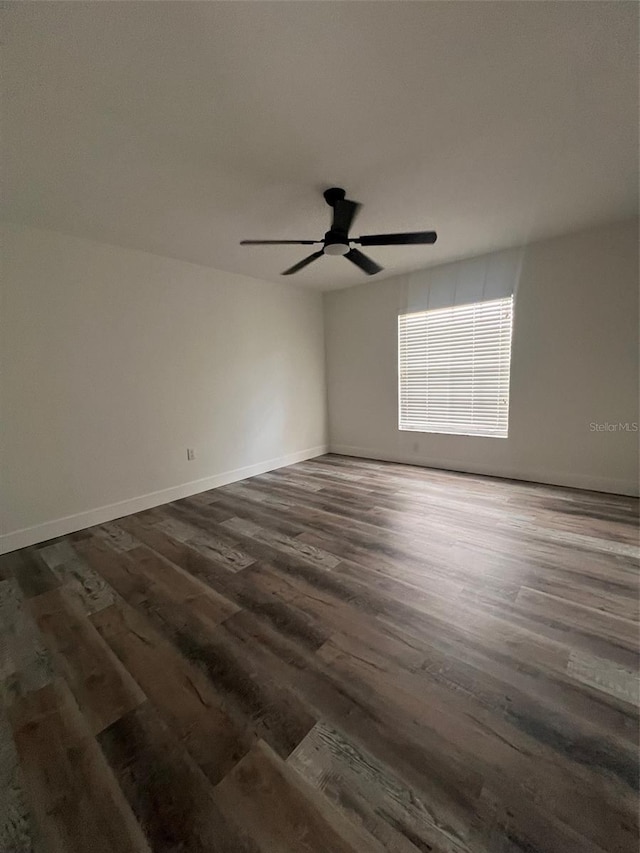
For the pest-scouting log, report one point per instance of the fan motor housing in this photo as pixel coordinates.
(335, 243)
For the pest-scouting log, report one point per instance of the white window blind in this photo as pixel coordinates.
(453, 366)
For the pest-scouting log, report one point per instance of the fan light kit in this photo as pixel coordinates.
(337, 241)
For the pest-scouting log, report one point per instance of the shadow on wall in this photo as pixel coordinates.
(476, 280)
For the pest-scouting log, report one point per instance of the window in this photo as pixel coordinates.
(453, 369)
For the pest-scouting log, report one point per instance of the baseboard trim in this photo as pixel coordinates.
(560, 478)
(99, 515)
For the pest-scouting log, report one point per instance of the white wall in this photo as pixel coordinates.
(115, 361)
(574, 362)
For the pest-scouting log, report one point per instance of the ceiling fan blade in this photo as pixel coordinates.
(362, 261)
(344, 212)
(279, 242)
(397, 239)
(303, 263)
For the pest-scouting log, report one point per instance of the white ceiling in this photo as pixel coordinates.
(181, 128)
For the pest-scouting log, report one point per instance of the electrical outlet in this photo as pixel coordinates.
(191, 454)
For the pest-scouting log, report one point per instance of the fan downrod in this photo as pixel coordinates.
(334, 194)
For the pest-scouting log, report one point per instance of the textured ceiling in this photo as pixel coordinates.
(181, 128)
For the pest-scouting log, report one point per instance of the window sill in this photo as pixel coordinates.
(453, 432)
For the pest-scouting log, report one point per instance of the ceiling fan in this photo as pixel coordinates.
(337, 241)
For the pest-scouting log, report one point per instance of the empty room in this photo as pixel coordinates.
(319, 382)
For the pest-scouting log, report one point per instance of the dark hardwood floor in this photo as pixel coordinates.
(337, 656)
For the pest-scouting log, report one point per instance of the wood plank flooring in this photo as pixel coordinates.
(338, 656)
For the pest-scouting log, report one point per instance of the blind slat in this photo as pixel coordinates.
(453, 369)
